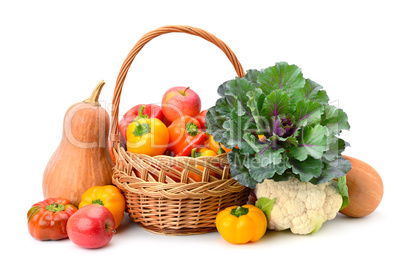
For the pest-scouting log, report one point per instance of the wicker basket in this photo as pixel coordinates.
(163, 199)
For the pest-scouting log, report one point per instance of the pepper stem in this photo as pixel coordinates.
(98, 201)
(239, 211)
(192, 129)
(194, 153)
(141, 110)
(93, 99)
(55, 207)
(141, 129)
(141, 114)
(220, 150)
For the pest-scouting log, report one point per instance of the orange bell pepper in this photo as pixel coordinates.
(184, 135)
(193, 144)
(202, 152)
(214, 146)
(198, 153)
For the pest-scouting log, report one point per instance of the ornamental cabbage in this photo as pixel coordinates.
(279, 125)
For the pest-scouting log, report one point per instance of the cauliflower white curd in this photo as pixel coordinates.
(299, 206)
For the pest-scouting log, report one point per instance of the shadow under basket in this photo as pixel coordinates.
(163, 198)
(173, 195)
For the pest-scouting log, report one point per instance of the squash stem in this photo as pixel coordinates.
(93, 99)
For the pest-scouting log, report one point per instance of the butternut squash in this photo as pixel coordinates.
(82, 159)
(365, 189)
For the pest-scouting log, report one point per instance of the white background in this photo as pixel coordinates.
(53, 53)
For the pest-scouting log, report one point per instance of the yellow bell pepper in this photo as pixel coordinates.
(147, 136)
(108, 196)
(241, 224)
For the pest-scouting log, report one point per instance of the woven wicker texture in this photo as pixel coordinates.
(160, 194)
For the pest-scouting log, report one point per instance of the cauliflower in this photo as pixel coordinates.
(301, 206)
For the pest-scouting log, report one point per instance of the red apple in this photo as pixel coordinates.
(178, 101)
(92, 226)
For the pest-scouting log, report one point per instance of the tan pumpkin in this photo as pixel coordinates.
(365, 189)
(82, 159)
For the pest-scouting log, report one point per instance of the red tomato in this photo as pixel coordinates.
(47, 220)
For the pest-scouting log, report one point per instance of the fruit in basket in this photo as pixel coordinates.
(365, 189)
(179, 101)
(241, 224)
(185, 135)
(108, 196)
(201, 118)
(92, 226)
(82, 159)
(215, 146)
(148, 136)
(199, 152)
(197, 142)
(47, 220)
(137, 112)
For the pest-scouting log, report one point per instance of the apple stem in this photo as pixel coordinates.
(107, 226)
(185, 90)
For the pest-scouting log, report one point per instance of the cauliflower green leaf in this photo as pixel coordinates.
(266, 205)
(343, 190)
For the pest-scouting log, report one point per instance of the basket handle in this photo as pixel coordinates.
(114, 133)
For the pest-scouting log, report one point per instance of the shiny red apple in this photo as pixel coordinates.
(178, 101)
(92, 226)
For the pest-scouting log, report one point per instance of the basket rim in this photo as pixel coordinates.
(169, 189)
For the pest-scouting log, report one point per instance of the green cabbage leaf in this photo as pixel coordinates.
(279, 125)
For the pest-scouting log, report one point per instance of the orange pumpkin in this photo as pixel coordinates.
(365, 189)
(82, 159)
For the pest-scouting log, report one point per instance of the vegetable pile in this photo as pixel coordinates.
(175, 129)
(279, 132)
(279, 125)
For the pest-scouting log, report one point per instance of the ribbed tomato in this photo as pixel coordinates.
(47, 220)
